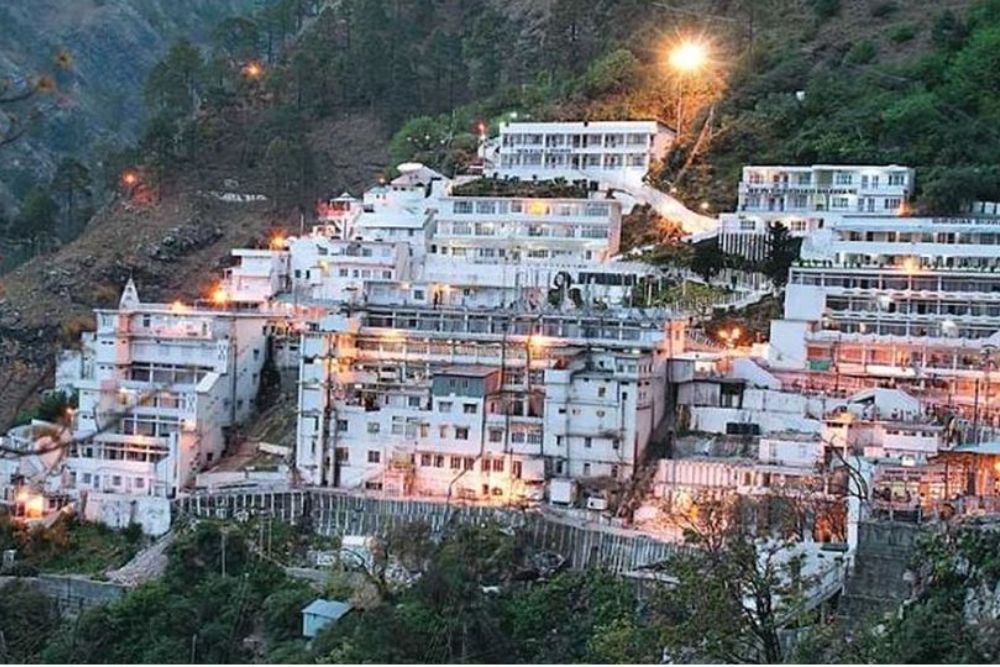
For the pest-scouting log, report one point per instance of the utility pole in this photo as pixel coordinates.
(223, 553)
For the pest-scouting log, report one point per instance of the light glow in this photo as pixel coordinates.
(689, 56)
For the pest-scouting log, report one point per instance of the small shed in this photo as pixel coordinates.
(321, 613)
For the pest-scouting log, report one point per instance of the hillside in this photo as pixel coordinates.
(321, 120)
(173, 249)
(111, 45)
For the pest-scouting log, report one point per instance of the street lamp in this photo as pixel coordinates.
(687, 58)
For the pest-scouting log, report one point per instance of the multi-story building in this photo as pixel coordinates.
(807, 198)
(600, 151)
(909, 301)
(448, 402)
(158, 385)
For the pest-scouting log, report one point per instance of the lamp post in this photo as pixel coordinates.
(686, 59)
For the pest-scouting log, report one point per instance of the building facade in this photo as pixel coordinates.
(600, 151)
(808, 198)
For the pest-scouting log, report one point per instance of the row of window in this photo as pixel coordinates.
(532, 207)
(577, 140)
(595, 161)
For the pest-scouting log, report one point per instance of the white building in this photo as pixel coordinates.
(157, 385)
(446, 402)
(600, 151)
(909, 301)
(807, 198)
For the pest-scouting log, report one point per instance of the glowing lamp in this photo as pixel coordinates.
(688, 57)
(219, 296)
(253, 70)
(130, 178)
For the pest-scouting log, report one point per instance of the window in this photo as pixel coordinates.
(469, 463)
(425, 460)
(413, 401)
(443, 431)
(140, 482)
(469, 408)
(86, 478)
(897, 178)
(497, 465)
(496, 435)
(461, 433)
(588, 442)
(341, 425)
(455, 462)
(341, 454)
(374, 456)
(439, 461)
(515, 469)
(586, 470)
(116, 480)
(444, 406)
(373, 427)
(601, 392)
(462, 207)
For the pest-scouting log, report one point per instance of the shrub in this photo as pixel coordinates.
(861, 53)
(825, 9)
(883, 9)
(903, 33)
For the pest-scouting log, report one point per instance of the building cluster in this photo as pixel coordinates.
(482, 339)
(457, 338)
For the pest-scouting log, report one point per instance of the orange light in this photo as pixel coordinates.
(482, 128)
(253, 70)
(911, 265)
(220, 296)
(178, 307)
(737, 332)
(538, 342)
(130, 178)
(278, 242)
(689, 56)
(35, 507)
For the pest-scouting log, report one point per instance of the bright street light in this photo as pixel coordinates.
(688, 57)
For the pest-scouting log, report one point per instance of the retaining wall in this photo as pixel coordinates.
(330, 513)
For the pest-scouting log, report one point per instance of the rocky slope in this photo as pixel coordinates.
(173, 249)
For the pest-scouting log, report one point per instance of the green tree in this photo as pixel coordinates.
(27, 619)
(72, 183)
(174, 84)
(708, 259)
(37, 220)
(782, 252)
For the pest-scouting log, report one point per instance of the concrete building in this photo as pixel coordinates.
(911, 302)
(808, 198)
(599, 151)
(158, 385)
(444, 402)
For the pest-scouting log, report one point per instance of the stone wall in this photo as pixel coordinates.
(877, 583)
(72, 594)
